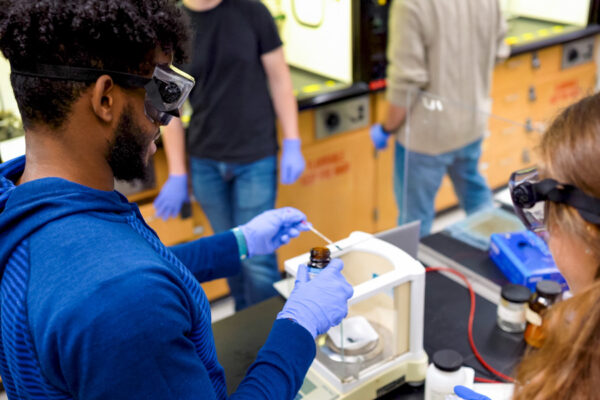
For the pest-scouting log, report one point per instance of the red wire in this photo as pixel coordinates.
(471, 318)
(484, 380)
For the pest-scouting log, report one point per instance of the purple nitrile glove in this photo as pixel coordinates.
(379, 137)
(320, 303)
(292, 162)
(271, 229)
(172, 196)
(467, 394)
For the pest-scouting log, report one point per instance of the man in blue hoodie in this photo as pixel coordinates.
(92, 305)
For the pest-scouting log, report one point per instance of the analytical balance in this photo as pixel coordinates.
(379, 345)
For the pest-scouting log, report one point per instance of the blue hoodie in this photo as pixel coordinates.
(93, 306)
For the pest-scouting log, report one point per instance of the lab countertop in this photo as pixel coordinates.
(446, 314)
(524, 35)
(313, 90)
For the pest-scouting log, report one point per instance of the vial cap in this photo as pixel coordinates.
(320, 253)
(548, 288)
(515, 293)
(447, 360)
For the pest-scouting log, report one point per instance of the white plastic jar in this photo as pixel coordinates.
(445, 372)
(512, 308)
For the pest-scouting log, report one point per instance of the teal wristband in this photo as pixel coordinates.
(241, 242)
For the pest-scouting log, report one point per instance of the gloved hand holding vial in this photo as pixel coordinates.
(319, 303)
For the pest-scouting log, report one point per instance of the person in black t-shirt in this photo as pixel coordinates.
(242, 83)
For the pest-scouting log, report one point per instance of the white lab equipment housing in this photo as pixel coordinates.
(380, 342)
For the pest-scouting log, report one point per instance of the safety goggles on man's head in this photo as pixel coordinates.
(530, 196)
(166, 91)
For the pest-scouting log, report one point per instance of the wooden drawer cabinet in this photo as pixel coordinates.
(336, 190)
(546, 62)
(512, 73)
(561, 90)
(520, 71)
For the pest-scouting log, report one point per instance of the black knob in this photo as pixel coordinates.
(361, 112)
(332, 120)
(573, 55)
(169, 92)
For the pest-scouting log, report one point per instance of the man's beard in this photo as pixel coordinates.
(127, 153)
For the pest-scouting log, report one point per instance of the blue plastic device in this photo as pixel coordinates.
(524, 258)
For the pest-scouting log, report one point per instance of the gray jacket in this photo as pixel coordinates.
(442, 53)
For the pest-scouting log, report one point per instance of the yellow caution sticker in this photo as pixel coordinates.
(528, 36)
(543, 32)
(512, 40)
(330, 83)
(311, 88)
(558, 28)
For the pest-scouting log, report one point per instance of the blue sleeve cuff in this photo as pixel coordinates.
(241, 242)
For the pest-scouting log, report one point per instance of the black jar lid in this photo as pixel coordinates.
(548, 288)
(515, 293)
(447, 360)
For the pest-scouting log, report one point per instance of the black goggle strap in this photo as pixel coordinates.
(587, 206)
(79, 74)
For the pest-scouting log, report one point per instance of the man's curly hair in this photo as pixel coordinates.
(118, 35)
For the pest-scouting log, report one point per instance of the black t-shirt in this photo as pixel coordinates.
(233, 118)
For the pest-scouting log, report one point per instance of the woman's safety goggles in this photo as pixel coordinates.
(166, 91)
(530, 196)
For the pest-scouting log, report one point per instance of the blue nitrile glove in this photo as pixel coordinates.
(465, 393)
(271, 229)
(320, 303)
(172, 196)
(379, 137)
(292, 162)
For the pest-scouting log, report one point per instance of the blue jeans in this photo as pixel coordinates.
(231, 194)
(417, 178)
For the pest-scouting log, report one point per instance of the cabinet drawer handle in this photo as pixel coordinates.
(535, 60)
(528, 125)
(532, 94)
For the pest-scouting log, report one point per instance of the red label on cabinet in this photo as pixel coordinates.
(566, 92)
(324, 168)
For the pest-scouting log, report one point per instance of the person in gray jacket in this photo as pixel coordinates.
(441, 56)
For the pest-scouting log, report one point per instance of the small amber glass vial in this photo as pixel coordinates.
(319, 259)
(546, 294)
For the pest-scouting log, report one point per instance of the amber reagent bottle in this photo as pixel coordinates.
(319, 258)
(546, 294)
